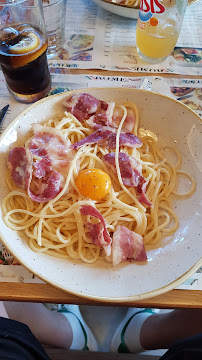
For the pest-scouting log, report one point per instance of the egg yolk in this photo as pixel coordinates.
(93, 183)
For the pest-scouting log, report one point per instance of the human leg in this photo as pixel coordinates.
(17, 341)
(50, 328)
(141, 330)
(63, 329)
(159, 331)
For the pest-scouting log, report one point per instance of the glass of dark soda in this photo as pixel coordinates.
(23, 46)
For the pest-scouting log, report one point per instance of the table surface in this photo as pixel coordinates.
(46, 293)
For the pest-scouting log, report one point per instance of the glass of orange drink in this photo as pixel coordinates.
(158, 28)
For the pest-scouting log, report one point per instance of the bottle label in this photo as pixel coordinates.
(148, 10)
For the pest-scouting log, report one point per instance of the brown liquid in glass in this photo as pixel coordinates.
(25, 67)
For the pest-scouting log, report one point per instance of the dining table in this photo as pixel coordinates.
(46, 293)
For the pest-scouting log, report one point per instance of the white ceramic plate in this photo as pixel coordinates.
(173, 260)
(124, 10)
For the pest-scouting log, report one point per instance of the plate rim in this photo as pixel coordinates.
(105, 299)
(121, 5)
(118, 9)
(125, 10)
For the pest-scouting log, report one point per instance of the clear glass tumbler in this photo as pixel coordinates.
(55, 16)
(23, 46)
(158, 28)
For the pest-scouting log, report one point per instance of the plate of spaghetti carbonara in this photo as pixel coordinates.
(101, 192)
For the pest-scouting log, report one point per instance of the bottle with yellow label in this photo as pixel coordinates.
(158, 28)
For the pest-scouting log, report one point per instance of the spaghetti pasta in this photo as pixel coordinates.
(58, 228)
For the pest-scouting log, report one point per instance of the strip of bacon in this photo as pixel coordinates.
(103, 117)
(46, 183)
(41, 181)
(106, 137)
(48, 188)
(43, 178)
(19, 163)
(87, 107)
(131, 173)
(130, 168)
(127, 245)
(42, 168)
(142, 190)
(98, 113)
(97, 232)
(82, 106)
(129, 122)
(48, 143)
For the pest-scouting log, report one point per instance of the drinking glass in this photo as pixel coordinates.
(23, 45)
(158, 28)
(55, 16)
